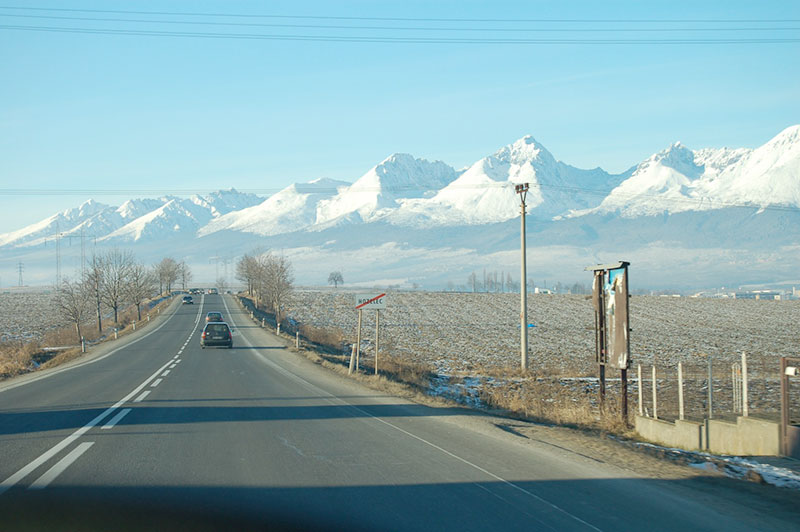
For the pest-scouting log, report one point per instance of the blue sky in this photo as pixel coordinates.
(97, 115)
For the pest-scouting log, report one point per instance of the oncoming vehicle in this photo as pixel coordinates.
(187, 300)
(216, 333)
(214, 316)
(213, 291)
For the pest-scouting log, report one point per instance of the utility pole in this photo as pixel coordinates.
(522, 190)
(58, 257)
(20, 267)
(215, 260)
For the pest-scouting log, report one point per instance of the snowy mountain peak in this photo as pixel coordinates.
(678, 157)
(524, 150)
(398, 177)
(88, 208)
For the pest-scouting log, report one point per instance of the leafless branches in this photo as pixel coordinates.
(72, 302)
(268, 278)
(140, 286)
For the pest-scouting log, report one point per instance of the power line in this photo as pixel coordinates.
(401, 28)
(397, 40)
(400, 19)
(713, 204)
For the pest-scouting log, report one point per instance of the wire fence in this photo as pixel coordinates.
(476, 336)
(750, 387)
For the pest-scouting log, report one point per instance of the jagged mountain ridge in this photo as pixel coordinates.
(719, 213)
(416, 193)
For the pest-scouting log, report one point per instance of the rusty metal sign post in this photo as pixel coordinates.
(610, 297)
(376, 301)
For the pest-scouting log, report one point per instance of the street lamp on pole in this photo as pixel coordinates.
(522, 190)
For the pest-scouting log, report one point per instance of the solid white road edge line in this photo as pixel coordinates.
(61, 465)
(336, 400)
(25, 471)
(116, 419)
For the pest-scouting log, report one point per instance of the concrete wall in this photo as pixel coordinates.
(747, 436)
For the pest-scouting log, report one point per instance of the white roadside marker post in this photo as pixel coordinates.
(680, 390)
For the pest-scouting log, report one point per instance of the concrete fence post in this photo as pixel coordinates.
(710, 388)
(680, 390)
(352, 360)
(655, 395)
(641, 401)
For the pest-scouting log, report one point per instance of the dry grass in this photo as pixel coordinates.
(16, 357)
(20, 357)
(332, 339)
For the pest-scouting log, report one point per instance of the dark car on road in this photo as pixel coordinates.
(214, 316)
(216, 333)
(187, 300)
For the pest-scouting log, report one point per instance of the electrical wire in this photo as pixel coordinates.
(398, 40)
(399, 28)
(401, 19)
(712, 204)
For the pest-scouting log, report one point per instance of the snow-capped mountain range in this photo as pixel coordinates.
(677, 195)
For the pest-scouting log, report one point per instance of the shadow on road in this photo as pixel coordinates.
(578, 504)
(180, 413)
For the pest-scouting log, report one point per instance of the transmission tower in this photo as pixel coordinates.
(20, 267)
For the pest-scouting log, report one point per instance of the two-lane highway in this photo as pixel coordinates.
(162, 434)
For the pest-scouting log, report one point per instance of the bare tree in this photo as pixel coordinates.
(335, 278)
(473, 281)
(222, 284)
(116, 266)
(278, 279)
(140, 286)
(246, 271)
(94, 284)
(184, 274)
(167, 272)
(72, 302)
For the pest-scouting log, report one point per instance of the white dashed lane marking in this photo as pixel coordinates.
(166, 372)
(156, 383)
(116, 419)
(141, 397)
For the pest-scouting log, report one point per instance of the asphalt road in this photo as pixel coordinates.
(160, 434)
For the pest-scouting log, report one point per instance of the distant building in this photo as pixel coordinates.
(759, 294)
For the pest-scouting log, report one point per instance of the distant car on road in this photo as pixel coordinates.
(212, 291)
(214, 316)
(216, 333)
(187, 300)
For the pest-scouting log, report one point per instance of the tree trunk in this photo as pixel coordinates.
(99, 319)
(139, 311)
(78, 330)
